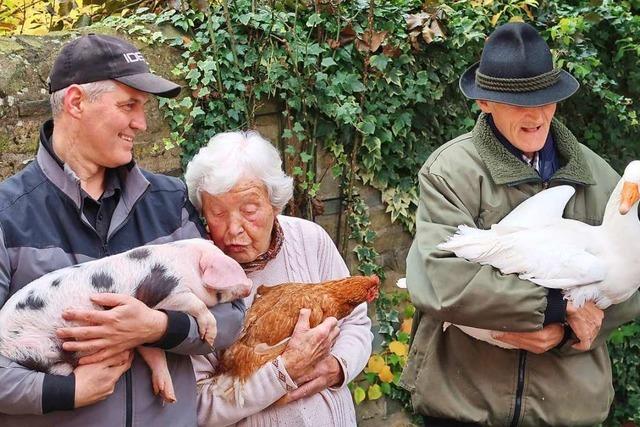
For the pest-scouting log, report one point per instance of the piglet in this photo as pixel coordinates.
(187, 275)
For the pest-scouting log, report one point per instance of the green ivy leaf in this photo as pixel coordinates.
(186, 102)
(359, 395)
(197, 111)
(374, 392)
(386, 388)
(328, 62)
(314, 20)
(379, 61)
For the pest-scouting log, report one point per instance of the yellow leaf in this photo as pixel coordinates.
(487, 2)
(406, 326)
(495, 18)
(526, 8)
(386, 375)
(376, 363)
(401, 349)
(374, 392)
(358, 395)
(516, 19)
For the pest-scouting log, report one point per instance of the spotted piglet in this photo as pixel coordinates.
(187, 275)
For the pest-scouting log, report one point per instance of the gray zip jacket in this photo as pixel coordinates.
(43, 228)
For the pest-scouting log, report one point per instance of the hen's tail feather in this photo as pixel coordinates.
(241, 360)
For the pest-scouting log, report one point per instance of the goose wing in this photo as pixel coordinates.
(540, 209)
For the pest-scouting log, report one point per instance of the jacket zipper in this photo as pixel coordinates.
(129, 397)
(522, 362)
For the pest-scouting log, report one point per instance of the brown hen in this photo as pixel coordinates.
(272, 317)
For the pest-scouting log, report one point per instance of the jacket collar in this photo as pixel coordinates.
(506, 169)
(133, 182)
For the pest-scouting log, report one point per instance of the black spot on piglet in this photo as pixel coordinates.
(34, 364)
(156, 286)
(102, 282)
(139, 254)
(55, 283)
(31, 302)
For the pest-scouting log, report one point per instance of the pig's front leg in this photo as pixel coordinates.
(160, 376)
(191, 304)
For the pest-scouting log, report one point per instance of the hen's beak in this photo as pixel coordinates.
(629, 196)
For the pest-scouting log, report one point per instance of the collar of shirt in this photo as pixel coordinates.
(545, 162)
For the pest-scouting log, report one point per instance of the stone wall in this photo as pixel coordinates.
(24, 106)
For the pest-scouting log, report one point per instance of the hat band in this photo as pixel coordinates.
(528, 84)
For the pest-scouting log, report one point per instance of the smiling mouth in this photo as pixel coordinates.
(531, 129)
(126, 137)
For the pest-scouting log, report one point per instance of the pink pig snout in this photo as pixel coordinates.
(222, 272)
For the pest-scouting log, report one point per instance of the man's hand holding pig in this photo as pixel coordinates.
(125, 324)
(97, 381)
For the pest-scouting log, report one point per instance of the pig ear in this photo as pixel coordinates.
(220, 272)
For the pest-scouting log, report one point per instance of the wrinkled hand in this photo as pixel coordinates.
(536, 342)
(128, 324)
(307, 346)
(585, 323)
(96, 382)
(324, 374)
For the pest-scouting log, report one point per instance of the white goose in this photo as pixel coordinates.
(590, 263)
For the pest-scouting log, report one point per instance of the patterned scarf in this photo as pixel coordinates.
(277, 236)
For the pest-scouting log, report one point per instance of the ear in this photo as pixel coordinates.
(72, 101)
(220, 271)
(485, 106)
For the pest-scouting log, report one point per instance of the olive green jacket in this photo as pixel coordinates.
(474, 180)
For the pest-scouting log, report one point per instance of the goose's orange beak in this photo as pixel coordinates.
(629, 196)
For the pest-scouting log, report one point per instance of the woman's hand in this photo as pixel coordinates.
(309, 346)
(324, 374)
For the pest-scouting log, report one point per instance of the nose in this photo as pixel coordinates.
(139, 121)
(235, 225)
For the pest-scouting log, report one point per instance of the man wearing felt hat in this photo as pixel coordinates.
(84, 198)
(558, 375)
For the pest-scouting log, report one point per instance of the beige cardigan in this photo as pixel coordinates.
(307, 255)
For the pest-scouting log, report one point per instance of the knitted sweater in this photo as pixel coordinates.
(307, 255)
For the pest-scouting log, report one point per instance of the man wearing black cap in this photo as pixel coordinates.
(85, 198)
(559, 375)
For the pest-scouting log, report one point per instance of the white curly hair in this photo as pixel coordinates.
(232, 156)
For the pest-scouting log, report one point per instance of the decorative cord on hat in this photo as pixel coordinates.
(528, 84)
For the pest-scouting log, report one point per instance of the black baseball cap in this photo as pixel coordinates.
(96, 57)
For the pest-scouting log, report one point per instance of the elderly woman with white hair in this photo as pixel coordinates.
(238, 184)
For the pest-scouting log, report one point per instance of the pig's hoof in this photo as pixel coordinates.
(168, 399)
(164, 388)
(208, 329)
